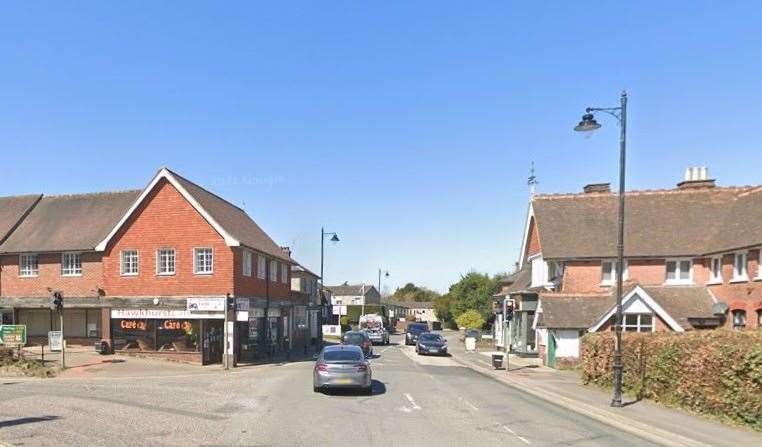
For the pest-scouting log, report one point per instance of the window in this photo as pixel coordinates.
(284, 273)
(203, 261)
(273, 271)
(739, 319)
(759, 319)
(247, 259)
(679, 271)
(29, 266)
(608, 272)
(129, 263)
(555, 272)
(261, 266)
(71, 264)
(715, 270)
(638, 323)
(739, 267)
(165, 261)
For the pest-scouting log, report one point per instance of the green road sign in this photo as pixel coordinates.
(13, 334)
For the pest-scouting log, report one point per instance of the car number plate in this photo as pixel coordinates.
(433, 350)
(343, 381)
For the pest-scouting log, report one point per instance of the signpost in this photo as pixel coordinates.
(55, 340)
(13, 334)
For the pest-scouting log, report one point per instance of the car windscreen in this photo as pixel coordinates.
(430, 337)
(342, 356)
(417, 328)
(354, 339)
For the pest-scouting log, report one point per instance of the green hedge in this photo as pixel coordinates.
(716, 372)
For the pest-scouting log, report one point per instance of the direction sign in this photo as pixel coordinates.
(13, 334)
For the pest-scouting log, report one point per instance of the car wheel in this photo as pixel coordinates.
(315, 389)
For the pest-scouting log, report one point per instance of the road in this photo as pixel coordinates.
(417, 401)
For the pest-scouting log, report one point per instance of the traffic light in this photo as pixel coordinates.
(230, 302)
(58, 301)
(509, 310)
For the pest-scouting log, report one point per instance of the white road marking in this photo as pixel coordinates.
(521, 438)
(412, 401)
(471, 405)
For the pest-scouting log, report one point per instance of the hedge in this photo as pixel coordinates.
(715, 372)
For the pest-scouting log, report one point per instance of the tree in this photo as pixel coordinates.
(442, 308)
(470, 319)
(411, 292)
(473, 292)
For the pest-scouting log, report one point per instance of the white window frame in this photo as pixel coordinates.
(122, 270)
(25, 270)
(273, 270)
(261, 267)
(745, 275)
(733, 314)
(678, 271)
(715, 279)
(71, 270)
(638, 326)
(159, 263)
(248, 258)
(209, 264)
(284, 273)
(759, 267)
(613, 263)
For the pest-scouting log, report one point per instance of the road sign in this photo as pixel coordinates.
(55, 340)
(13, 334)
(339, 310)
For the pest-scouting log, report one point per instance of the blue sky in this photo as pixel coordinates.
(407, 127)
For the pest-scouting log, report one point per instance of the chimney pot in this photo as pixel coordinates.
(597, 188)
(696, 177)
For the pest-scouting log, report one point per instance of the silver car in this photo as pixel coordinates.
(342, 366)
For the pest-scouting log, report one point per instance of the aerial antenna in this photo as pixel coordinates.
(532, 180)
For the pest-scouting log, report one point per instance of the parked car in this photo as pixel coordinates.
(431, 343)
(413, 331)
(342, 366)
(359, 339)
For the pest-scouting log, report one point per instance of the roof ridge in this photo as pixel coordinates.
(205, 190)
(21, 196)
(746, 189)
(90, 194)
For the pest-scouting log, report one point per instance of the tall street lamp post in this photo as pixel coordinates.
(386, 275)
(588, 123)
(334, 239)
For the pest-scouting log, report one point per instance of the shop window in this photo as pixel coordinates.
(29, 266)
(173, 335)
(739, 319)
(71, 264)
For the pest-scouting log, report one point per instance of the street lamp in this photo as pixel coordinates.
(587, 124)
(386, 275)
(334, 239)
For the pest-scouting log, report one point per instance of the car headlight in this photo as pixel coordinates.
(423, 346)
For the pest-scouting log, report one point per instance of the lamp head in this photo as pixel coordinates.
(334, 239)
(587, 124)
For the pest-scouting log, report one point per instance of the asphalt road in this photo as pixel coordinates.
(417, 401)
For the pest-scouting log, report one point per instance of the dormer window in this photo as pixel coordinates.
(679, 271)
(715, 270)
(608, 272)
(739, 267)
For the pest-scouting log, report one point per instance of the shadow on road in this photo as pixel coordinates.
(29, 420)
(378, 389)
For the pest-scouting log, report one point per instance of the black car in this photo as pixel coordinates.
(413, 331)
(430, 343)
(358, 338)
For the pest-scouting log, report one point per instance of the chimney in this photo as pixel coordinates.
(696, 177)
(597, 188)
(286, 251)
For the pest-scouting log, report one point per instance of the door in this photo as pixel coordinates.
(551, 350)
(212, 338)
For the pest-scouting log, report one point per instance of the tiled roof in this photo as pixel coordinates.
(350, 289)
(657, 223)
(12, 210)
(69, 222)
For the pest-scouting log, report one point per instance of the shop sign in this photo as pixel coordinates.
(13, 334)
(55, 340)
(178, 314)
(206, 304)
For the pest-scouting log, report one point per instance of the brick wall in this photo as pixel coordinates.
(253, 286)
(167, 220)
(11, 285)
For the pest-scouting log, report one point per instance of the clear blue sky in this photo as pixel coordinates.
(407, 127)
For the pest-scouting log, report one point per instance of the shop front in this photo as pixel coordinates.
(263, 329)
(179, 334)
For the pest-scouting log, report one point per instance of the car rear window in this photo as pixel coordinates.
(417, 328)
(354, 338)
(342, 356)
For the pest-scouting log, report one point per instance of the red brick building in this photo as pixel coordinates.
(146, 270)
(691, 261)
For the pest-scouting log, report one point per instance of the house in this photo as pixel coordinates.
(421, 311)
(518, 299)
(354, 294)
(147, 270)
(691, 261)
(305, 288)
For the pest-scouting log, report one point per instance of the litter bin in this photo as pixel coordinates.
(101, 347)
(497, 361)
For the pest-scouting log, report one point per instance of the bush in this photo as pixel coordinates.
(710, 372)
(470, 319)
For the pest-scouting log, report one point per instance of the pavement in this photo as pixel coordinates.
(656, 423)
(420, 401)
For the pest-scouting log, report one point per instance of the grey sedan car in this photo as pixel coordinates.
(342, 366)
